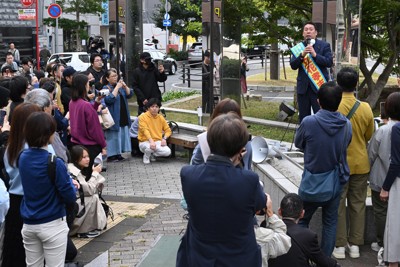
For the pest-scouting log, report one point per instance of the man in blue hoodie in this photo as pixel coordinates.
(321, 137)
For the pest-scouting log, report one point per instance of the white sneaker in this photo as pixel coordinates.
(375, 246)
(379, 257)
(338, 253)
(152, 158)
(353, 250)
(146, 159)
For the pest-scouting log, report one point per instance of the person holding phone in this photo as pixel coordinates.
(145, 81)
(216, 193)
(117, 136)
(92, 219)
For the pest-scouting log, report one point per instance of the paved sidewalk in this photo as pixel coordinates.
(127, 243)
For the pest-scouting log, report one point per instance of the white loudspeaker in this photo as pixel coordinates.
(261, 149)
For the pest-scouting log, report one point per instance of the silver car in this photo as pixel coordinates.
(195, 53)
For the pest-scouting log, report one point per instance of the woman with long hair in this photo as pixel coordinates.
(13, 250)
(84, 122)
(93, 218)
(118, 140)
(45, 229)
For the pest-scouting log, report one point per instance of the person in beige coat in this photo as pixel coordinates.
(91, 221)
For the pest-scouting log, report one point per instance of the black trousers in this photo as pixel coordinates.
(13, 247)
(306, 102)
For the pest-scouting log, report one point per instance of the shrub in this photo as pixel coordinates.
(178, 55)
(171, 95)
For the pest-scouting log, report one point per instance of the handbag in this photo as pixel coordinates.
(106, 120)
(107, 209)
(322, 187)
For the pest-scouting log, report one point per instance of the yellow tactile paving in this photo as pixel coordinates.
(121, 211)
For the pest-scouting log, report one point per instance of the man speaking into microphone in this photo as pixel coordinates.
(311, 58)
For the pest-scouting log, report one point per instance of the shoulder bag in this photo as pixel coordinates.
(106, 120)
(322, 187)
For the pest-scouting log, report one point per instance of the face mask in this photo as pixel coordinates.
(148, 61)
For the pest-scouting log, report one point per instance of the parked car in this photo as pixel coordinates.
(169, 63)
(195, 53)
(79, 60)
(258, 51)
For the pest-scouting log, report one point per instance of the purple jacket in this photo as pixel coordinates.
(85, 124)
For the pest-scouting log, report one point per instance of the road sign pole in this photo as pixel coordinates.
(37, 34)
(166, 28)
(56, 38)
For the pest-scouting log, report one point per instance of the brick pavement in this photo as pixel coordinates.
(126, 244)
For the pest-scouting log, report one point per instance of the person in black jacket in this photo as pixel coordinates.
(97, 70)
(145, 81)
(305, 247)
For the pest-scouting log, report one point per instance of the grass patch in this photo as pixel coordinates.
(171, 95)
(256, 109)
(259, 79)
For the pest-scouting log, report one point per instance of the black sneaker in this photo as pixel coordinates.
(120, 158)
(112, 159)
(90, 234)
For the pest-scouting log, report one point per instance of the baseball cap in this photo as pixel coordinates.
(68, 71)
(145, 55)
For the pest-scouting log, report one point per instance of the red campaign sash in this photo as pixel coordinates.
(309, 66)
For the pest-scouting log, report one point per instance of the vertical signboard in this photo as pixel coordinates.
(105, 18)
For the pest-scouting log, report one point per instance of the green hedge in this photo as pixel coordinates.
(178, 55)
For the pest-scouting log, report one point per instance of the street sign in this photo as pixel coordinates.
(168, 6)
(26, 14)
(54, 11)
(26, 3)
(167, 23)
(167, 16)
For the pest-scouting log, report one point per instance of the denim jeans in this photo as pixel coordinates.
(329, 221)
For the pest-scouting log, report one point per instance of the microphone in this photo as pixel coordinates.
(308, 41)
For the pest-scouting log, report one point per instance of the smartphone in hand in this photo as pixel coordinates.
(3, 113)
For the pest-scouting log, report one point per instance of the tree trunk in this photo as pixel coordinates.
(184, 44)
(377, 88)
(274, 62)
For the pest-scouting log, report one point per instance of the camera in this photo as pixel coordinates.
(104, 92)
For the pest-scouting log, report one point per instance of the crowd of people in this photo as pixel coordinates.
(51, 135)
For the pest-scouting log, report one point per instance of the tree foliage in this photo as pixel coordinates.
(380, 40)
(264, 15)
(185, 17)
(76, 26)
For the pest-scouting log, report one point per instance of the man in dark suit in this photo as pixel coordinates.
(321, 54)
(222, 200)
(305, 247)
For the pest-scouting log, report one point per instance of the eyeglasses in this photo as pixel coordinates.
(98, 60)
